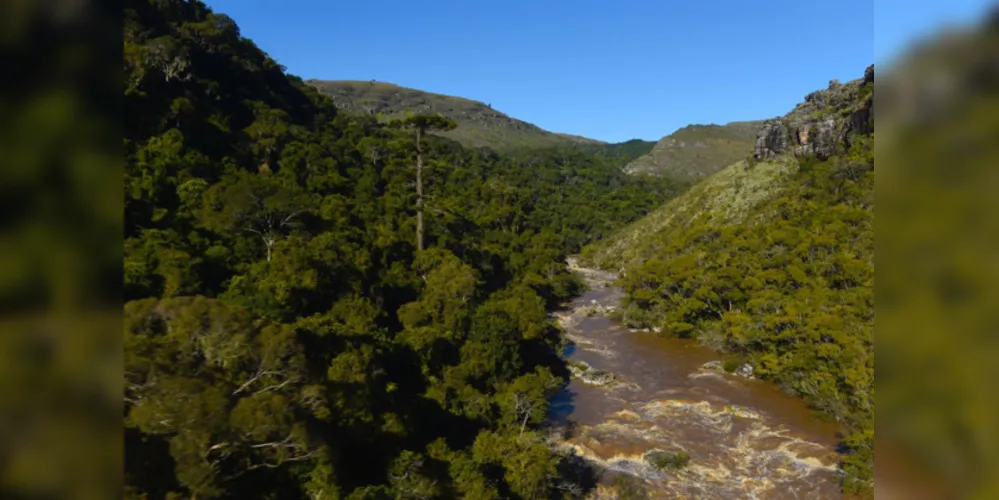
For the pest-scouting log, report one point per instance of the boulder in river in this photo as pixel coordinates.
(745, 370)
(589, 374)
(713, 366)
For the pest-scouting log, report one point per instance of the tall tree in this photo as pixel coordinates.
(421, 124)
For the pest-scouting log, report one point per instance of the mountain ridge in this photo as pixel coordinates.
(479, 125)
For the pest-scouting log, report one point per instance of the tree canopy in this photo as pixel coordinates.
(285, 337)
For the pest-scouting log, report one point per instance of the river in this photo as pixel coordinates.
(639, 392)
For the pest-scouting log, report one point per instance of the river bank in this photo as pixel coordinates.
(658, 413)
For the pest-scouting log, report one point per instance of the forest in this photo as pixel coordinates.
(290, 333)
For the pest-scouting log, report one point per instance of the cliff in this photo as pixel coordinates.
(826, 122)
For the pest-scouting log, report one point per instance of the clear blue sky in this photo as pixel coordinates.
(611, 69)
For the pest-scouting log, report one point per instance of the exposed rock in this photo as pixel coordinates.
(771, 140)
(589, 375)
(862, 120)
(783, 135)
(597, 309)
(713, 366)
(745, 370)
(827, 122)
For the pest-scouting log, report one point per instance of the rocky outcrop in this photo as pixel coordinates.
(713, 366)
(825, 123)
(744, 370)
(590, 375)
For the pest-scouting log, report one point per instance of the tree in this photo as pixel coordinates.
(258, 204)
(267, 132)
(421, 124)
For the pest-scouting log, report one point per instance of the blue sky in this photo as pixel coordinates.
(612, 69)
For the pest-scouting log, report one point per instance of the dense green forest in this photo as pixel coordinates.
(284, 338)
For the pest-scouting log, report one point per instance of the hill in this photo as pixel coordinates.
(771, 260)
(725, 197)
(479, 125)
(822, 125)
(696, 151)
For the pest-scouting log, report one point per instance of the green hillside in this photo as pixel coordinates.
(697, 151)
(772, 260)
(479, 125)
(725, 197)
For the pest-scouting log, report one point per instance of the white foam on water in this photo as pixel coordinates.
(736, 451)
(755, 462)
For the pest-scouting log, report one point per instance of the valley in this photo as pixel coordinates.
(355, 290)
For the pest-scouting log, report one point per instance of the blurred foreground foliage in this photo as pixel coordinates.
(938, 260)
(60, 250)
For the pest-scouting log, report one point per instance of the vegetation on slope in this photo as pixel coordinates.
(620, 153)
(283, 336)
(479, 125)
(773, 261)
(790, 289)
(725, 197)
(697, 151)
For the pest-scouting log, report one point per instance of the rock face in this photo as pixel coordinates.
(825, 123)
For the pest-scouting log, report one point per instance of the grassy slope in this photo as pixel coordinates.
(697, 151)
(726, 196)
(478, 124)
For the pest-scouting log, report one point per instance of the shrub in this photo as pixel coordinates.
(668, 460)
(731, 365)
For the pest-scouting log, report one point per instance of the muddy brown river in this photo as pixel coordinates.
(635, 392)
